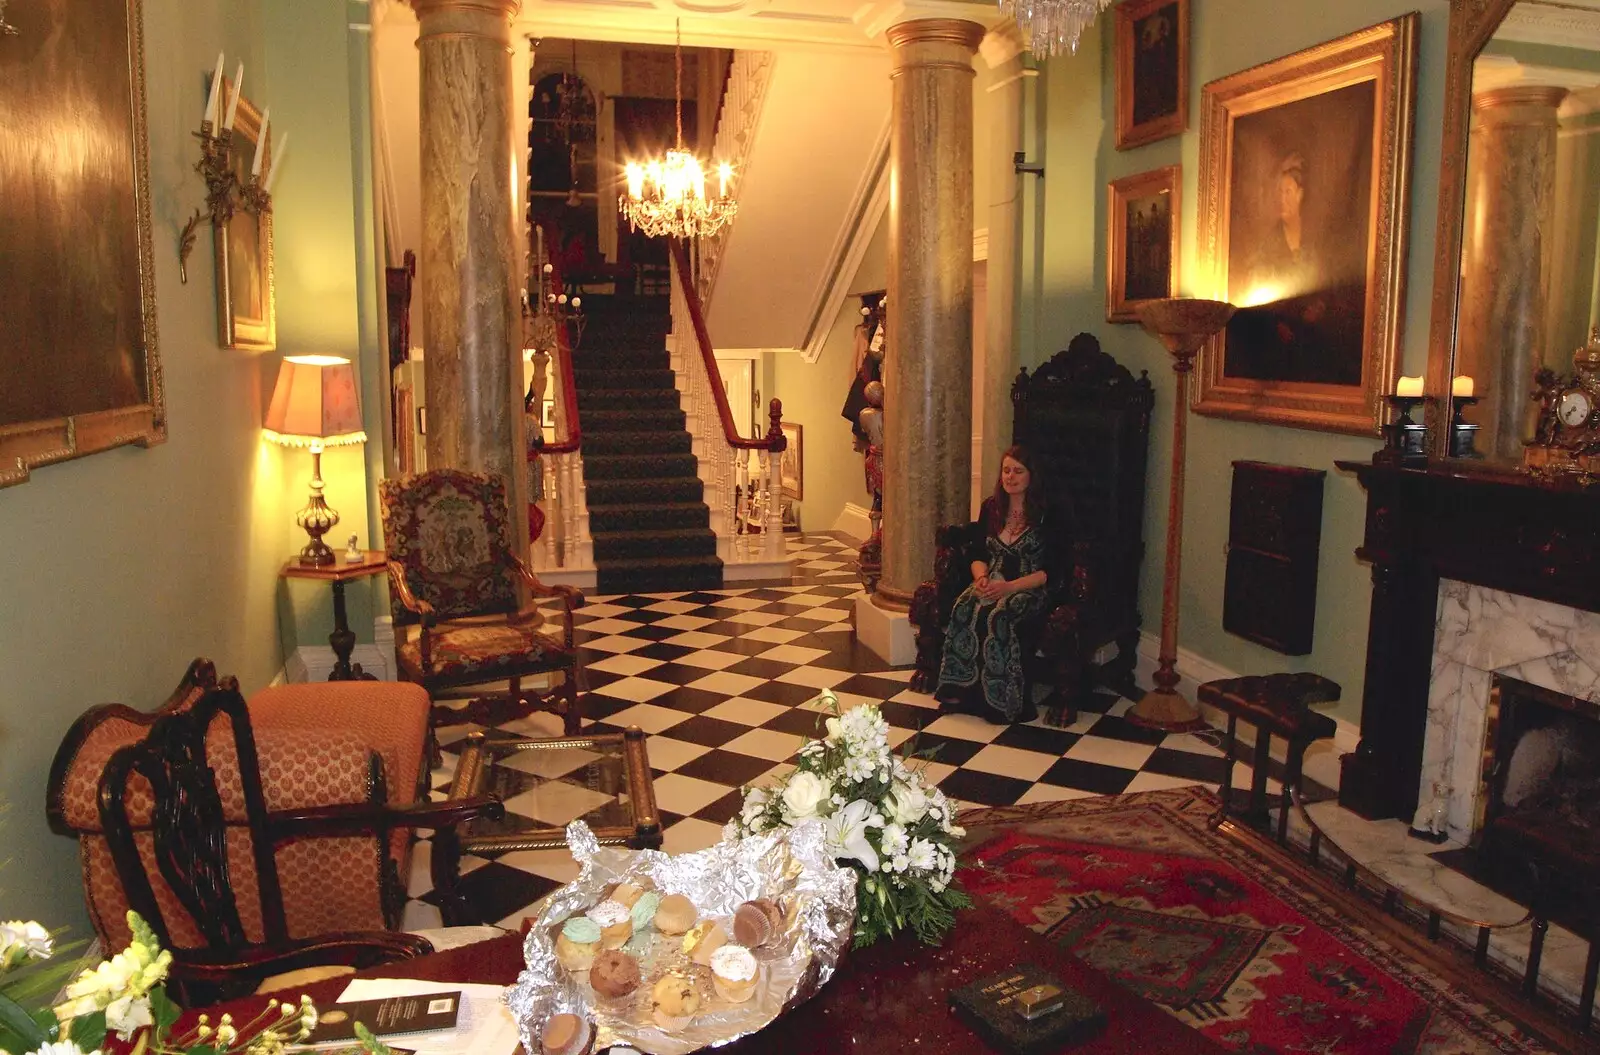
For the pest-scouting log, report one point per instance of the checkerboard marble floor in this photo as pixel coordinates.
(720, 680)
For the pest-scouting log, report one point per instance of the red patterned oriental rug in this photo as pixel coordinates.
(1236, 937)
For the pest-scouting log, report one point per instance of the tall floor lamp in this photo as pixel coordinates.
(1183, 325)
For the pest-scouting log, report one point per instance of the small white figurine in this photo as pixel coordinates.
(353, 554)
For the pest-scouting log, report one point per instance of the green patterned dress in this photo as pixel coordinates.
(982, 650)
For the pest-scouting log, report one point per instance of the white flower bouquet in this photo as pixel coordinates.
(880, 817)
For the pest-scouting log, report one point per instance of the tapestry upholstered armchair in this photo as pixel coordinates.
(1086, 421)
(453, 579)
(255, 838)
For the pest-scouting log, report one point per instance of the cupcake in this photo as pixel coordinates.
(626, 894)
(577, 943)
(675, 914)
(566, 1035)
(673, 1001)
(643, 912)
(755, 923)
(733, 973)
(703, 939)
(616, 925)
(614, 974)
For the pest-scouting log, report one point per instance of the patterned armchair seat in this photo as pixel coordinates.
(348, 754)
(458, 618)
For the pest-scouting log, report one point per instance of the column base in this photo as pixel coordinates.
(886, 634)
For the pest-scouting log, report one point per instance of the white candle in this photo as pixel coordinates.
(1409, 386)
(1461, 387)
(261, 143)
(238, 90)
(724, 170)
(277, 163)
(216, 89)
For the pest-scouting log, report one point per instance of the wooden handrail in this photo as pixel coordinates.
(569, 389)
(774, 440)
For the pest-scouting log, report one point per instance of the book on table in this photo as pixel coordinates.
(1027, 1011)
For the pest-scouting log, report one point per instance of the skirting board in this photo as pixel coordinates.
(749, 570)
(1322, 759)
(315, 662)
(582, 578)
(854, 521)
(888, 635)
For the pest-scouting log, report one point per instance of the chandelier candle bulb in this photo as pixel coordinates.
(1409, 387)
(211, 98)
(238, 90)
(1461, 387)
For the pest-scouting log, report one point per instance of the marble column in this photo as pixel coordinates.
(469, 270)
(928, 369)
(1505, 256)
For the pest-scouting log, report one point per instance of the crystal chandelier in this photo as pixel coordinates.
(1053, 26)
(667, 196)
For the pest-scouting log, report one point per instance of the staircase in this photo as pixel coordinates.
(651, 527)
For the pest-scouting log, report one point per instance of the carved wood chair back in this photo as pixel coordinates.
(451, 530)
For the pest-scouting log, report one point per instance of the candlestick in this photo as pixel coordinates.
(261, 143)
(724, 170)
(1409, 387)
(216, 89)
(277, 163)
(238, 90)
(1461, 387)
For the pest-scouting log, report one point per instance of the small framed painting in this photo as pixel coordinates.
(792, 464)
(1152, 59)
(1143, 216)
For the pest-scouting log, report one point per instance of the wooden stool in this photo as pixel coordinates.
(1276, 704)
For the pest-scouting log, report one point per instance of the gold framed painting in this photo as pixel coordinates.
(792, 463)
(80, 370)
(1152, 57)
(246, 306)
(1305, 169)
(1143, 216)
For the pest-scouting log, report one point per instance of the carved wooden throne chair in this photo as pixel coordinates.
(1086, 421)
(253, 839)
(458, 622)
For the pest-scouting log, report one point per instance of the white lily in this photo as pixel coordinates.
(847, 833)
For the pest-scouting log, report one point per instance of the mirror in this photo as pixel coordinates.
(1521, 183)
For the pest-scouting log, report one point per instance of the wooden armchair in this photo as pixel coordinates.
(457, 618)
(252, 847)
(1086, 421)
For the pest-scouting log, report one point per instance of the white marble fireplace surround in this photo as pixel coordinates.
(1479, 632)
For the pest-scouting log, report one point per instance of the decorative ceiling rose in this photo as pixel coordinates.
(1053, 26)
(668, 196)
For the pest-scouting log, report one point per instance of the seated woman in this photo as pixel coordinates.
(1011, 571)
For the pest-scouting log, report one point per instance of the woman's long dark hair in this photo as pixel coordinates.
(1032, 499)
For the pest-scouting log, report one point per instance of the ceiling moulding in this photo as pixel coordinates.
(876, 18)
(1492, 72)
(1564, 27)
(739, 24)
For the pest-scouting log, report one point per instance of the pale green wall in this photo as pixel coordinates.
(121, 568)
(1080, 158)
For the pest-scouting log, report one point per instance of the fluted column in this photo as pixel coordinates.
(928, 368)
(469, 274)
(1505, 255)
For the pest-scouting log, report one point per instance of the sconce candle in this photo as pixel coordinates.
(261, 143)
(1409, 387)
(238, 90)
(210, 117)
(1461, 387)
(277, 163)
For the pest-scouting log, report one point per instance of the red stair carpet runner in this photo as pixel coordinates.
(1231, 935)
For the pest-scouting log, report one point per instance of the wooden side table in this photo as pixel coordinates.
(343, 639)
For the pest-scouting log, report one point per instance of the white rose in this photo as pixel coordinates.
(805, 793)
(907, 804)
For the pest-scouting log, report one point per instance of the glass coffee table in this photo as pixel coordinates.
(545, 784)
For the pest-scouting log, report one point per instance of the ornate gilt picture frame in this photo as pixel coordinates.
(79, 356)
(246, 303)
(1152, 59)
(1305, 167)
(1143, 217)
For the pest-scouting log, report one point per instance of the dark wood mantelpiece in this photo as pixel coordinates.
(1501, 530)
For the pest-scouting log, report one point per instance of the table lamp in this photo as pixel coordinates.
(314, 405)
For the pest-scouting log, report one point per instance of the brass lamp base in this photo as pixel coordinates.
(317, 519)
(1168, 711)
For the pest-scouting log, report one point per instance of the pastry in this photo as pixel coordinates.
(566, 1035)
(643, 912)
(755, 923)
(703, 939)
(614, 973)
(577, 943)
(673, 1001)
(616, 925)
(626, 894)
(675, 914)
(733, 973)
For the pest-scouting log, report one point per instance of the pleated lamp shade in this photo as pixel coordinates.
(315, 403)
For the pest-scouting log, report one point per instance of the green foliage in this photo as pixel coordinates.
(370, 1043)
(18, 1029)
(88, 1031)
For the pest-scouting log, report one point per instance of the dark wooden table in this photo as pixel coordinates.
(343, 639)
(891, 998)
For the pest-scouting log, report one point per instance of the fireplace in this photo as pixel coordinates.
(1543, 769)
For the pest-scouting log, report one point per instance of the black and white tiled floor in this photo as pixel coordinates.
(719, 680)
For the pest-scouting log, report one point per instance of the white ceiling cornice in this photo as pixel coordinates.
(1565, 25)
